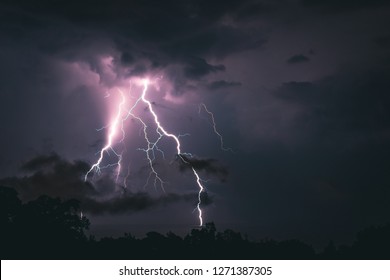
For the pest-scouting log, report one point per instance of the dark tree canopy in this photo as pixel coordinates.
(48, 228)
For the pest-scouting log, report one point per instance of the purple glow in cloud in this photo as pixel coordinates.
(128, 106)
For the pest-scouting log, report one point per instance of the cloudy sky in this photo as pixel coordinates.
(299, 91)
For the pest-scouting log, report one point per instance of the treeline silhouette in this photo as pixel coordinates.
(49, 228)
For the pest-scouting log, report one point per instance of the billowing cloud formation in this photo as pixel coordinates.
(56, 177)
(342, 103)
(128, 202)
(51, 175)
(210, 166)
(334, 6)
(298, 58)
(141, 36)
(222, 84)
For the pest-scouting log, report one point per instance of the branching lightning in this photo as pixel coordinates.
(116, 128)
(113, 130)
(202, 105)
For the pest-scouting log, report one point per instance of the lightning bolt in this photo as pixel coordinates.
(202, 105)
(162, 132)
(113, 131)
(116, 127)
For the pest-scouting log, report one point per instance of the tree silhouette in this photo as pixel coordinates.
(10, 206)
(48, 228)
(42, 227)
(372, 243)
(330, 251)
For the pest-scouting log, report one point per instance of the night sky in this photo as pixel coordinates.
(299, 91)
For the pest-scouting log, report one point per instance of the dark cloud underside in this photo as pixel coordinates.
(56, 177)
(299, 58)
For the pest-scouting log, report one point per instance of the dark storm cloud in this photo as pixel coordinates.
(56, 177)
(217, 42)
(343, 6)
(296, 91)
(134, 202)
(97, 144)
(298, 58)
(127, 58)
(41, 162)
(210, 166)
(253, 9)
(147, 35)
(344, 102)
(383, 41)
(51, 175)
(222, 84)
(197, 67)
(333, 156)
(206, 199)
(337, 133)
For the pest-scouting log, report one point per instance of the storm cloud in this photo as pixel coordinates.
(298, 58)
(142, 36)
(56, 177)
(298, 90)
(210, 166)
